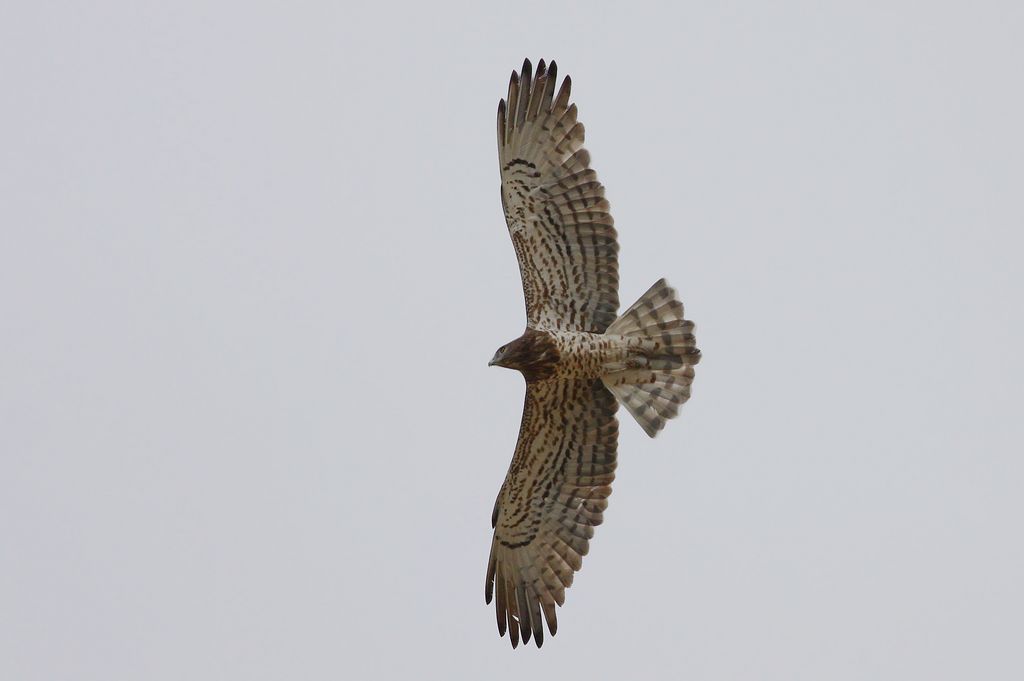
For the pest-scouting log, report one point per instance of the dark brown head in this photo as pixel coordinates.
(534, 354)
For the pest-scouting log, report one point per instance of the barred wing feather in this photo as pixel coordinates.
(554, 494)
(555, 208)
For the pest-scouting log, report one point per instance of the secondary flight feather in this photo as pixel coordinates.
(579, 357)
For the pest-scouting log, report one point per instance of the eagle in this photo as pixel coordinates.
(579, 357)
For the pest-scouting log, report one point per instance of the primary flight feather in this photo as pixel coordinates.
(579, 357)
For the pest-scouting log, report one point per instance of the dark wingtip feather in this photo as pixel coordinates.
(489, 584)
(552, 82)
(523, 610)
(501, 123)
(549, 615)
(510, 610)
(525, 79)
(500, 607)
(561, 100)
(513, 631)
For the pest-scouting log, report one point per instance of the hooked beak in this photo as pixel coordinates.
(494, 360)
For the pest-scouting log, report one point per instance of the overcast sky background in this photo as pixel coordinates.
(253, 264)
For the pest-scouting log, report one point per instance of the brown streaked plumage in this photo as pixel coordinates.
(535, 354)
(579, 358)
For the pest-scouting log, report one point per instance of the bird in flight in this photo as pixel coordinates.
(579, 357)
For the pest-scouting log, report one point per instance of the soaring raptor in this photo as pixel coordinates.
(578, 356)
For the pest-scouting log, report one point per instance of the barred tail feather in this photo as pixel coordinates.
(656, 400)
(655, 379)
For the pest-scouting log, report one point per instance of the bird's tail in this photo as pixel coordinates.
(654, 379)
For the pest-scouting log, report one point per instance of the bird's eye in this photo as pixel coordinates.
(503, 348)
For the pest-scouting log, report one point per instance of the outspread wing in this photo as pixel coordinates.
(553, 496)
(555, 207)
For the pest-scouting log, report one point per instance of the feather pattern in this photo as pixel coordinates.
(655, 380)
(557, 216)
(553, 496)
(578, 357)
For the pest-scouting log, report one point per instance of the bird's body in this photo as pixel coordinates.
(579, 354)
(579, 357)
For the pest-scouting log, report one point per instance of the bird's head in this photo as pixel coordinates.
(499, 359)
(534, 354)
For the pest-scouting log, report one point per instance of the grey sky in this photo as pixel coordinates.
(253, 265)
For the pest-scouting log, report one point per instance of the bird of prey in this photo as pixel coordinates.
(579, 357)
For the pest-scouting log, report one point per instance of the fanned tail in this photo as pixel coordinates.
(654, 381)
